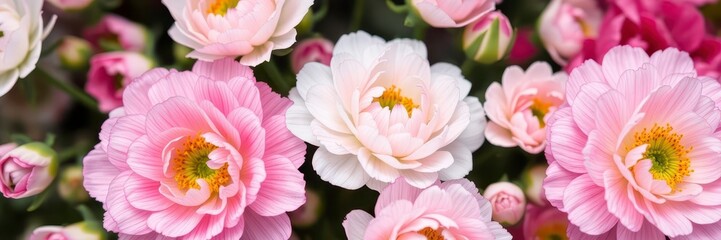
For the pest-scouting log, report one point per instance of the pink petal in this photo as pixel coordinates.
(646, 231)
(356, 223)
(128, 220)
(462, 161)
(98, 173)
(273, 104)
(584, 200)
(568, 142)
(587, 73)
(555, 183)
(259, 227)
(499, 136)
(573, 232)
(399, 190)
(126, 130)
(619, 59)
(280, 141)
(586, 104)
(222, 70)
(174, 221)
(618, 202)
(143, 194)
(283, 189)
(250, 130)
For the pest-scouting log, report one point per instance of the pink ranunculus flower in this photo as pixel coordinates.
(449, 210)
(451, 14)
(116, 33)
(232, 28)
(634, 154)
(198, 154)
(311, 50)
(380, 112)
(519, 107)
(565, 24)
(110, 73)
(26, 170)
(76, 231)
(21, 25)
(545, 223)
(508, 202)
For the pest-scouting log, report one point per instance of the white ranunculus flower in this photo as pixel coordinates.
(380, 111)
(21, 35)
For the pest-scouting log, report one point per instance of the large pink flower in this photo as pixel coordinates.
(380, 112)
(198, 155)
(216, 29)
(449, 210)
(635, 153)
(520, 107)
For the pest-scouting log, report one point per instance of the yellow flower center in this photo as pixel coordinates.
(665, 152)
(555, 231)
(190, 164)
(432, 234)
(220, 7)
(539, 109)
(392, 97)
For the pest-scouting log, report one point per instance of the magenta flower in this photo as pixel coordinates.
(634, 153)
(117, 33)
(109, 74)
(198, 154)
(449, 210)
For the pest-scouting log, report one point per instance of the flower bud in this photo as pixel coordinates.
(442, 14)
(74, 53)
(488, 39)
(307, 214)
(114, 33)
(311, 50)
(76, 231)
(565, 24)
(533, 181)
(71, 185)
(27, 170)
(507, 201)
(109, 74)
(71, 5)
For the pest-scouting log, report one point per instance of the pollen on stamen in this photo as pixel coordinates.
(392, 97)
(220, 7)
(668, 155)
(432, 234)
(190, 164)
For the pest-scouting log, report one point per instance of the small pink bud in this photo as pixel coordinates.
(81, 230)
(488, 39)
(508, 202)
(311, 50)
(26, 170)
(533, 180)
(70, 187)
(565, 24)
(74, 53)
(115, 33)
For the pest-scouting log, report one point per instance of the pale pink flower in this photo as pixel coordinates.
(21, 40)
(451, 14)
(544, 223)
(117, 33)
(216, 29)
(198, 155)
(71, 5)
(311, 50)
(76, 231)
(449, 210)
(634, 154)
(508, 202)
(380, 112)
(519, 107)
(565, 24)
(26, 170)
(110, 73)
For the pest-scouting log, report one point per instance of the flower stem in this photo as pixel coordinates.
(71, 90)
(276, 78)
(358, 9)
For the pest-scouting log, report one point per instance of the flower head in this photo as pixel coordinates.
(27, 169)
(634, 153)
(565, 24)
(508, 202)
(380, 112)
(447, 14)
(110, 73)
(198, 154)
(81, 230)
(115, 33)
(230, 28)
(21, 35)
(311, 50)
(519, 108)
(449, 210)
